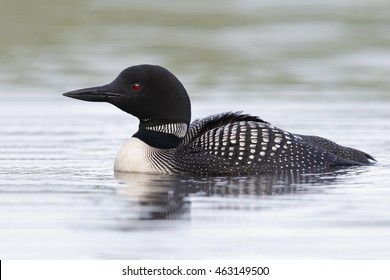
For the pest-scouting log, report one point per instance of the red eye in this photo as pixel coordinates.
(136, 87)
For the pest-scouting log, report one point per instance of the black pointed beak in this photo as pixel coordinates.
(94, 94)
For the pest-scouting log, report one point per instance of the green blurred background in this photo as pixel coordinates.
(229, 46)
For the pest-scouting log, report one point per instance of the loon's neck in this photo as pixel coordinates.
(161, 135)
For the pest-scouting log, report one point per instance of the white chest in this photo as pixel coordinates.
(136, 156)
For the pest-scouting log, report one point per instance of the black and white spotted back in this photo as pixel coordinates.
(235, 143)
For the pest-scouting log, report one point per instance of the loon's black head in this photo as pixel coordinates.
(149, 92)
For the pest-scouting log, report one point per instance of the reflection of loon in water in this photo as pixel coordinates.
(169, 196)
(158, 196)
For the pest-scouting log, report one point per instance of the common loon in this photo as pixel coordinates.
(226, 143)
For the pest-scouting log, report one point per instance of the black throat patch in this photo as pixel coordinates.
(159, 140)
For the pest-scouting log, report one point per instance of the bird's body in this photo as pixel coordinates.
(227, 143)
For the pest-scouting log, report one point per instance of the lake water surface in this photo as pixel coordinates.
(312, 69)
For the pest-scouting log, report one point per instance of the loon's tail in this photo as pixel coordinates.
(348, 162)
